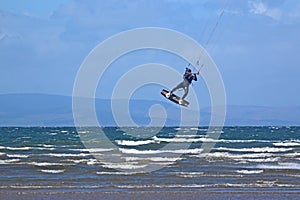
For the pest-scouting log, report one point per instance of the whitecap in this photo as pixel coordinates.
(64, 131)
(44, 148)
(189, 174)
(134, 143)
(154, 159)
(188, 136)
(258, 160)
(283, 166)
(77, 160)
(51, 171)
(123, 166)
(18, 148)
(95, 150)
(168, 186)
(9, 161)
(17, 156)
(177, 151)
(190, 129)
(249, 171)
(48, 145)
(83, 132)
(286, 144)
(66, 154)
(230, 155)
(199, 138)
(180, 139)
(116, 173)
(92, 162)
(45, 164)
(256, 149)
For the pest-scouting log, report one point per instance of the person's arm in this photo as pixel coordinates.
(195, 75)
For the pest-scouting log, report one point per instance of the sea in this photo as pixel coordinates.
(58, 159)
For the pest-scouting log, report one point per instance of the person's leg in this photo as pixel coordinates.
(180, 85)
(186, 91)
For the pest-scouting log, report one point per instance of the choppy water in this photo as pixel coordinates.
(55, 159)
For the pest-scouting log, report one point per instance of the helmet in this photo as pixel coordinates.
(188, 70)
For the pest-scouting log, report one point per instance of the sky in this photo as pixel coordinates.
(254, 43)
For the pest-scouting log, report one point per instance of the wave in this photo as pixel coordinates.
(46, 164)
(177, 151)
(93, 150)
(51, 171)
(117, 173)
(83, 132)
(189, 174)
(77, 161)
(161, 186)
(19, 148)
(134, 143)
(29, 148)
(243, 171)
(179, 139)
(189, 129)
(189, 136)
(280, 166)
(157, 140)
(286, 144)
(9, 161)
(256, 149)
(154, 159)
(252, 155)
(183, 139)
(17, 156)
(259, 184)
(191, 139)
(66, 154)
(123, 166)
(258, 160)
(64, 131)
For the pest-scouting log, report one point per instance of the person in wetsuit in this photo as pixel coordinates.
(188, 77)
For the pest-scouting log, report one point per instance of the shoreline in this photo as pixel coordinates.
(174, 195)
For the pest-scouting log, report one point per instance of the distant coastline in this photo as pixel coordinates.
(56, 110)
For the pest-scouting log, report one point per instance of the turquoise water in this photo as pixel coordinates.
(243, 158)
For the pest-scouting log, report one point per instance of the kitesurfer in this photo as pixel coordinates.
(188, 77)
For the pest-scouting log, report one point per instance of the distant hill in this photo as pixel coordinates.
(35, 110)
(55, 110)
(262, 115)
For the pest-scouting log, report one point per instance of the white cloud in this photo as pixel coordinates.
(285, 12)
(260, 8)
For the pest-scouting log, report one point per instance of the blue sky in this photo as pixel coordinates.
(256, 44)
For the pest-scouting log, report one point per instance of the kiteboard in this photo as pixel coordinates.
(174, 98)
